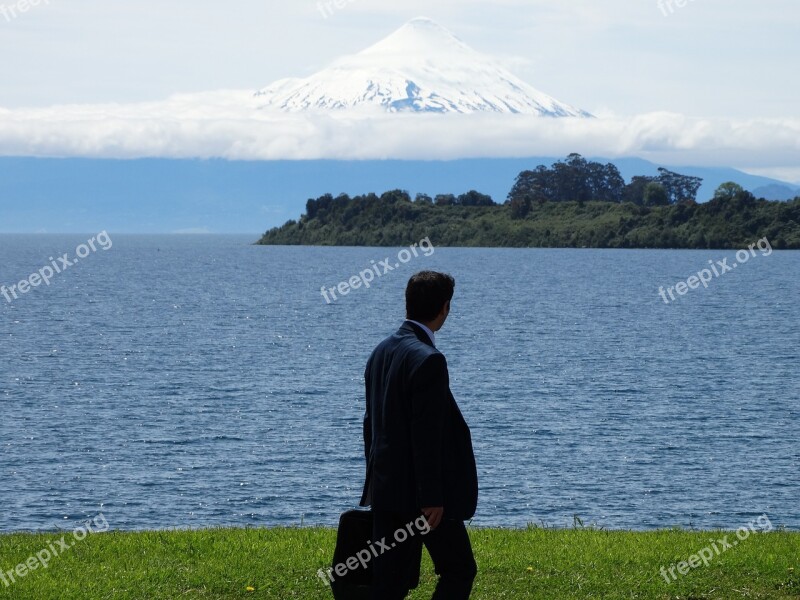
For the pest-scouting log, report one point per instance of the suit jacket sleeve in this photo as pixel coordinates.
(367, 427)
(429, 397)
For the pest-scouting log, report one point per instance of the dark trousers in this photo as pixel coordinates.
(395, 568)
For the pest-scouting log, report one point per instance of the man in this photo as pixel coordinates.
(419, 452)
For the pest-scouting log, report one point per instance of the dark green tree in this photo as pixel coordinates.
(634, 191)
(473, 198)
(393, 196)
(728, 191)
(571, 178)
(655, 195)
(445, 200)
(536, 185)
(679, 187)
(520, 207)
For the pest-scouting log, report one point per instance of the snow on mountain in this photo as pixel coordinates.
(422, 67)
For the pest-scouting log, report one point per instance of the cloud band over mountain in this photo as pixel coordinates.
(228, 125)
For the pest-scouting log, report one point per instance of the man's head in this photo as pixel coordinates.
(428, 296)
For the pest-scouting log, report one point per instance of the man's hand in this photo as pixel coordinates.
(433, 515)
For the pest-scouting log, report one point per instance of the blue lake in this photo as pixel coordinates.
(190, 381)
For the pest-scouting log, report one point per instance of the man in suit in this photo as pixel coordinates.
(419, 452)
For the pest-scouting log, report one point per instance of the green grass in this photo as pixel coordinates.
(549, 564)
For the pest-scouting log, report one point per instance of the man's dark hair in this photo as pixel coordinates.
(426, 294)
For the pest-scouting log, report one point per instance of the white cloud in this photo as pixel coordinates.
(227, 124)
(787, 174)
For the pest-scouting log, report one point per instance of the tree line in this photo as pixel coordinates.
(576, 179)
(573, 203)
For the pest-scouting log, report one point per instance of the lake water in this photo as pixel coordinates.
(190, 381)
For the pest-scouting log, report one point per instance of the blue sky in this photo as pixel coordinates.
(720, 65)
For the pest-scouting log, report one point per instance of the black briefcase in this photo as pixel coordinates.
(353, 536)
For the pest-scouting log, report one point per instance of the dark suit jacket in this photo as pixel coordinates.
(417, 444)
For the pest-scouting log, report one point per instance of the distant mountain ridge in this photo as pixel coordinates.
(776, 191)
(420, 68)
(219, 196)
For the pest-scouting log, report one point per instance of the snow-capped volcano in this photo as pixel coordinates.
(421, 67)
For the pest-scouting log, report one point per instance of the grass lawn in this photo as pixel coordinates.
(547, 564)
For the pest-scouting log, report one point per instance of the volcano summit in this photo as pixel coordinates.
(420, 68)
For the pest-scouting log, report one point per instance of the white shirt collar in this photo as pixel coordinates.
(426, 330)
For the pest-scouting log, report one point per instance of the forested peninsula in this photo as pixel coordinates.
(575, 203)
